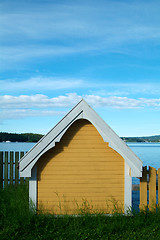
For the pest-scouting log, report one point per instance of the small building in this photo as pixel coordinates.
(80, 165)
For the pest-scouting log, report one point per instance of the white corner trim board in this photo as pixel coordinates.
(33, 188)
(128, 189)
(81, 111)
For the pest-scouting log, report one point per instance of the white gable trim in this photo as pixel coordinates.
(81, 111)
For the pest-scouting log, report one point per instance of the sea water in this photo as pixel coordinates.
(16, 146)
(149, 153)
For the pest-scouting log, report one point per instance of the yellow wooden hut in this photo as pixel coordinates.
(81, 165)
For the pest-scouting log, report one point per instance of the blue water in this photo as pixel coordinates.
(16, 146)
(149, 153)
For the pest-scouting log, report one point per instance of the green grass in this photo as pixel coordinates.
(18, 222)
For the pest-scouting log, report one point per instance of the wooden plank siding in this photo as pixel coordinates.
(80, 172)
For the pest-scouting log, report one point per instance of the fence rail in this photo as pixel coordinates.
(9, 172)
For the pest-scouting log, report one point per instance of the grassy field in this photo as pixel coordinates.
(17, 222)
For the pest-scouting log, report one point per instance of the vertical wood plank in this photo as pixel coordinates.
(143, 189)
(16, 168)
(11, 167)
(1, 169)
(26, 178)
(159, 187)
(22, 178)
(6, 170)
(152, 188)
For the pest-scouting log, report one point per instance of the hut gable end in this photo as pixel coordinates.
(80, 159)
(81, 111)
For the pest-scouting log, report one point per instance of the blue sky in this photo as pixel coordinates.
(53, 53)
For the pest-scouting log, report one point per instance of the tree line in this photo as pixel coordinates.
(23, 137)
(33, 137)
(142, 139)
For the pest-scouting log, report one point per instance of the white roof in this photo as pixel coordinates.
(81, 111)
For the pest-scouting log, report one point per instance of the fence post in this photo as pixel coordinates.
(6, 170)
(1, 169)
(143, 189)
(152, 188)
(11, 167)
(16, 168)
(22, 178)
(158, 187)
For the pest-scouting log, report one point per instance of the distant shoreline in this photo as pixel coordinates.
(34, 137)
(149, 139)
(22, 137)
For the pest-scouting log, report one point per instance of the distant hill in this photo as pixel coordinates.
(142, 139)
(33, 137)
(23, 137)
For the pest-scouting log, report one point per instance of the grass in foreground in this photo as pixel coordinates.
(17, 222)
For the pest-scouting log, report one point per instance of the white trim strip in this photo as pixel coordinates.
(33, 188)
(128, 189)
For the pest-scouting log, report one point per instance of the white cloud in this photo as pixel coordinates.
(24, 113)
(113, 102)
(98, 87)
(24, 106)
(126, 88)
(12, 53)
(41, 83)
(38, 101)
(32, 105)
(151, 102)
(83, 19)
(30, 30)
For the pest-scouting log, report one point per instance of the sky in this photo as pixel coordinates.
(53, 53)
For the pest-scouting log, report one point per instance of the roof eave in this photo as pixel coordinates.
(81, 111)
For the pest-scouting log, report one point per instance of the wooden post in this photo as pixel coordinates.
(22, 178)
(158, 187)
(16, 168)
(152, 188)
(1, 169)
(6, 170)
(143, 189)
(11, 167)
(26, 179)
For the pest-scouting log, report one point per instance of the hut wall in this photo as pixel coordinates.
(81, 173)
